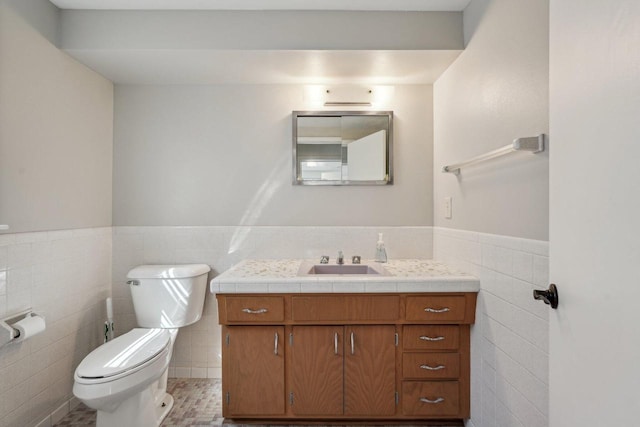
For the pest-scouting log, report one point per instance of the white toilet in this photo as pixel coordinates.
(125, 380)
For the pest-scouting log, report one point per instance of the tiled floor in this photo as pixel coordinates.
(197, 402)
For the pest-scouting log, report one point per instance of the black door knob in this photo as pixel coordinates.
(550, 296)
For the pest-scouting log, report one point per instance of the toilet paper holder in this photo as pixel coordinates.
(7, 332)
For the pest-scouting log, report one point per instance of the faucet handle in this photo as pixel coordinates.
(355, 259)
(324, 259)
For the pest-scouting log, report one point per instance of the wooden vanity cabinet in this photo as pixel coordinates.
(346, 357)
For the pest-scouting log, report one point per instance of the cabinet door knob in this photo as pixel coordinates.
(353, 344)
(275, 350)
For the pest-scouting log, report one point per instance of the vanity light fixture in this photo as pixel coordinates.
(376, 96)
(347, 104)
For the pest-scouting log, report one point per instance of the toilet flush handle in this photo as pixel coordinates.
(133, 282)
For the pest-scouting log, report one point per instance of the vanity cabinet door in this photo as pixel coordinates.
(253, 370)
(316, 370)
(370, 370)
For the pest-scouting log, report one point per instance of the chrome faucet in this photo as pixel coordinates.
(340, 259)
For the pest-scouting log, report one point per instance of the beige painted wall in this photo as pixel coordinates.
(55, 173)
(56, 136)
(221, 155)
(496, 91)
(260, 29)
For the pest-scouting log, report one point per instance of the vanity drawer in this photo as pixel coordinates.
(436, 308)
(431, 365)
(431, 398)
(254, 309)
(345, 308)
(428, 337)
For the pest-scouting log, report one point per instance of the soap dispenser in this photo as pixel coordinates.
(381, 253)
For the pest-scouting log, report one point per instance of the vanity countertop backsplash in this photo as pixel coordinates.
(402, 275)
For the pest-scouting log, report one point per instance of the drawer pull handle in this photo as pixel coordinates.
(426, 338)
(258, 311)
(437, 310)
(432, 368)
(425, 400)
(335, 343)
(275, 350)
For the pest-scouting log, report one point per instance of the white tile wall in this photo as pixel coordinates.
(510, 342)
(197, 349)
(65, 276)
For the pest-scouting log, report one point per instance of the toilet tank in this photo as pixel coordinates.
(168, 296)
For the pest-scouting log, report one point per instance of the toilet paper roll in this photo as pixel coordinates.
(29, 326)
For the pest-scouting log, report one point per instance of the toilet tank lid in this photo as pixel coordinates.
(168, 271)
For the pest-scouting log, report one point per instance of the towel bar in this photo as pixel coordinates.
(534, 144)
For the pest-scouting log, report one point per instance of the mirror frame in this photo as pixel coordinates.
(388, 114)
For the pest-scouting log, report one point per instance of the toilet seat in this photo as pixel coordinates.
(123, 356)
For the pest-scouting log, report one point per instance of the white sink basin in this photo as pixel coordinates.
(337, 269)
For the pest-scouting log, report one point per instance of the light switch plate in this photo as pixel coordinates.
(447, 207)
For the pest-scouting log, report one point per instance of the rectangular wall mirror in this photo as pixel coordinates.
(342, 147)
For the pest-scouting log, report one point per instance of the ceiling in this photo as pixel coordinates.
(220, 66)
(268, 67)
(381, 5)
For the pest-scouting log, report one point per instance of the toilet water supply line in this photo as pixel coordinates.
(108, 325)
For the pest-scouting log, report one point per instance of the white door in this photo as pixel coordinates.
(595, 213)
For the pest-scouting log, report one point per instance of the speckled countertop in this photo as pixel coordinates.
(402, 275)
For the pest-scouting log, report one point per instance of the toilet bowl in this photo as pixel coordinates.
(125, 379)
(116, 378)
